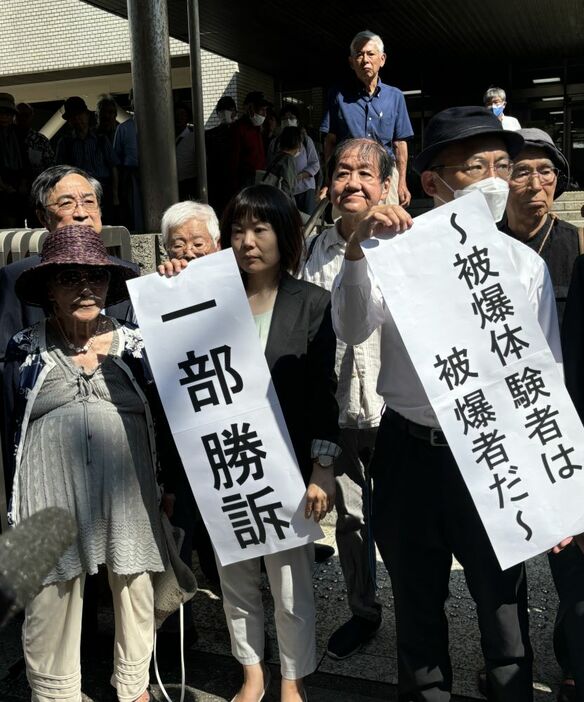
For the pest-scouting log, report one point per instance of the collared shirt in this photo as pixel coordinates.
(357, 367)
(93, 154)
(352, 112)
(185, 154)
(358, 309)
(511, 124)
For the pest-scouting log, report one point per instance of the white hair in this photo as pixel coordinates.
(493, 93)
(360, 39)
(182, 212)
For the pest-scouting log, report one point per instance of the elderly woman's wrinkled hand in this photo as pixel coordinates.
(320, 494)
(172, 267)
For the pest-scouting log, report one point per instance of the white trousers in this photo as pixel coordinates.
(290, 576)
(51, 638)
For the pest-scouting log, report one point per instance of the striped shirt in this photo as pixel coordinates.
(357, 366)
(94, 154)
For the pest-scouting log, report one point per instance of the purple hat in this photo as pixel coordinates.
(73, 245)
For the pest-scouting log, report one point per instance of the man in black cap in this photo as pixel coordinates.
(423, 513)
(540, 174)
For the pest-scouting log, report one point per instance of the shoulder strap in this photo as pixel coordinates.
(311, 247)
(580, 240)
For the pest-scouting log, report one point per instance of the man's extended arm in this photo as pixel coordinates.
(330, 141)
(401, 163)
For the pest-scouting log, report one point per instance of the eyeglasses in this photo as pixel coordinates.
(477, 170)
(69, 205)
(546, 174)
(74, 277)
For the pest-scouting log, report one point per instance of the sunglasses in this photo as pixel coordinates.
(74, 277)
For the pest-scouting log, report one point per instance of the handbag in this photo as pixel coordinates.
(177, 583)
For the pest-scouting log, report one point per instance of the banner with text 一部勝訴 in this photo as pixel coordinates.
(218, 396)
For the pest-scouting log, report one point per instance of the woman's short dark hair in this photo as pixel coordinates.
(290, 138)
(266, 203)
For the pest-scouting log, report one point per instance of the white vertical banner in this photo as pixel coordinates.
(477, 346)
(218, 396)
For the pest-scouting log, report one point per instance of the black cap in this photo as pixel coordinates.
(459, 123)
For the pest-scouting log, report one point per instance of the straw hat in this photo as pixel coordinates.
(74, 245)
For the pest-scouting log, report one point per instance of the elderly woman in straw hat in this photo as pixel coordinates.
(84, 441)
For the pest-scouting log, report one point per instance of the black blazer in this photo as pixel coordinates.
(300, 353)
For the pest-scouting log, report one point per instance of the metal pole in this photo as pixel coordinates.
(197, 100)
(148, 20)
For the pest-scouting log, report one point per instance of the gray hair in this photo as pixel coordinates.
(47, 181)
(368, 150)
(182, 212)
(494, 93)
(360, 39)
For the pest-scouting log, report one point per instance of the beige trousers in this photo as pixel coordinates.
(51, 638)
(290, 576)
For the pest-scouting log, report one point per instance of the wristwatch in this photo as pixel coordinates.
(324, 461)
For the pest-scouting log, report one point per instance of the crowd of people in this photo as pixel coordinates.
(83, 423)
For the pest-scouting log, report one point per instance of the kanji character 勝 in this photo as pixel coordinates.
(568, 468)
(492, 304)
(238, 509)
(526, 391)
(491, 448)
(546, 427)
(475, 268)
(201, 380)
(455, 369)
(474, 410)
(513, 344)
(240, 449)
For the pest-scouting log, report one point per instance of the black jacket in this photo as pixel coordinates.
(301, 356)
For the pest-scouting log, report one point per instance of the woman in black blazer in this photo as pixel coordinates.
(263, 227)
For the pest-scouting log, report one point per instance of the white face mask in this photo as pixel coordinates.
(496, 192)
(257, 120)
(290, 122)
(226, 116)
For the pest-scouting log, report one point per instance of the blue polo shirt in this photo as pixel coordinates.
(352, 112)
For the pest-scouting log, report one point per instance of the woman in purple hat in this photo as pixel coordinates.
(81, 401)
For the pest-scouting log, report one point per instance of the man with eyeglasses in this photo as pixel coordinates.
(423, 513)
(60, 195)
(539, 176)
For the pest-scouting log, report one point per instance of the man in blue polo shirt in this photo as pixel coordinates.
(368, 108)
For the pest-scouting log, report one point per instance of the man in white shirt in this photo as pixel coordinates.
(495, 100)
(422, 510)
(360, 405)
